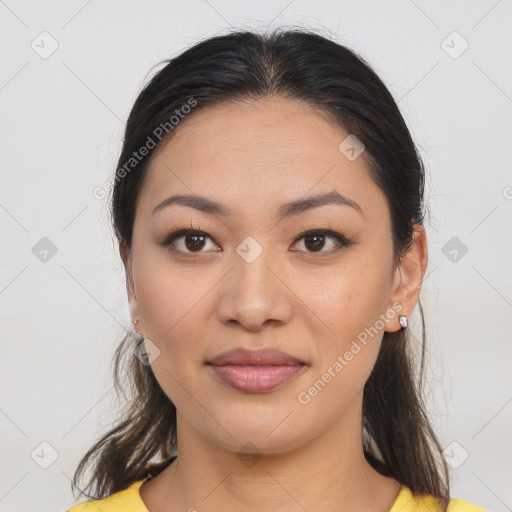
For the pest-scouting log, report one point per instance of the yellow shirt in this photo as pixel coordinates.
(129, 500)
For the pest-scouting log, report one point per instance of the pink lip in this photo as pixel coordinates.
(255, 371)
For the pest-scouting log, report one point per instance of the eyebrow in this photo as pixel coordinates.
(286, 210)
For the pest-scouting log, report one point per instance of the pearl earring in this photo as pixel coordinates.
(403, 320)
(136, 321)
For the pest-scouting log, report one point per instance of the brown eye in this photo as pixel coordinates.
(194, 242)
(187, 241)
(190, 241)
(315, 241)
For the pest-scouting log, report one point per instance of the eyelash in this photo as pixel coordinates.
(180, 231)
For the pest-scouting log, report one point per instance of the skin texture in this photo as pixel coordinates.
(311, 303)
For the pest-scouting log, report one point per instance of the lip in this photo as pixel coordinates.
(255, 371)
(263, 356)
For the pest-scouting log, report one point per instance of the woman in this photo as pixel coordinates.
(268, 204)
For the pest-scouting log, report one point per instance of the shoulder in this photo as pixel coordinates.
(457, 505)
(127, 499)
(407, 502)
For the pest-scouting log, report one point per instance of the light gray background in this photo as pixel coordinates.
(62, 122)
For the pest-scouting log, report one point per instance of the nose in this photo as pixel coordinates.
(254, 295)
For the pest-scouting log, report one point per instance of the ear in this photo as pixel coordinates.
(126, 255)
(408, 277)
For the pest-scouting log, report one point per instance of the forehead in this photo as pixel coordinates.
(275, 149)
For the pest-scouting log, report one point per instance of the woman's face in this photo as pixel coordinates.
(252, 281)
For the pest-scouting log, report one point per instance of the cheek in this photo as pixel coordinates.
(172, 305)
(349, 298)
(169, 295)
(350, 301)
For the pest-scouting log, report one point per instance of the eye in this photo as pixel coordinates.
(186, 241)
(314, 241)
(190, 241)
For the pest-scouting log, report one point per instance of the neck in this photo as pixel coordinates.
(328, 473)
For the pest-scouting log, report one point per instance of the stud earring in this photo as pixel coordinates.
(403, 320)
(136, 321)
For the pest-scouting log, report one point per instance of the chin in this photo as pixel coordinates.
(259, 445)
(270, 431)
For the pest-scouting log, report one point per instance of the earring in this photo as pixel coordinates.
(136, 321)
(403, 320)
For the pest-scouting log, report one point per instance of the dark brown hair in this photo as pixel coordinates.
(298, 64)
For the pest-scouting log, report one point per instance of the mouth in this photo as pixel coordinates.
(255, 371)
